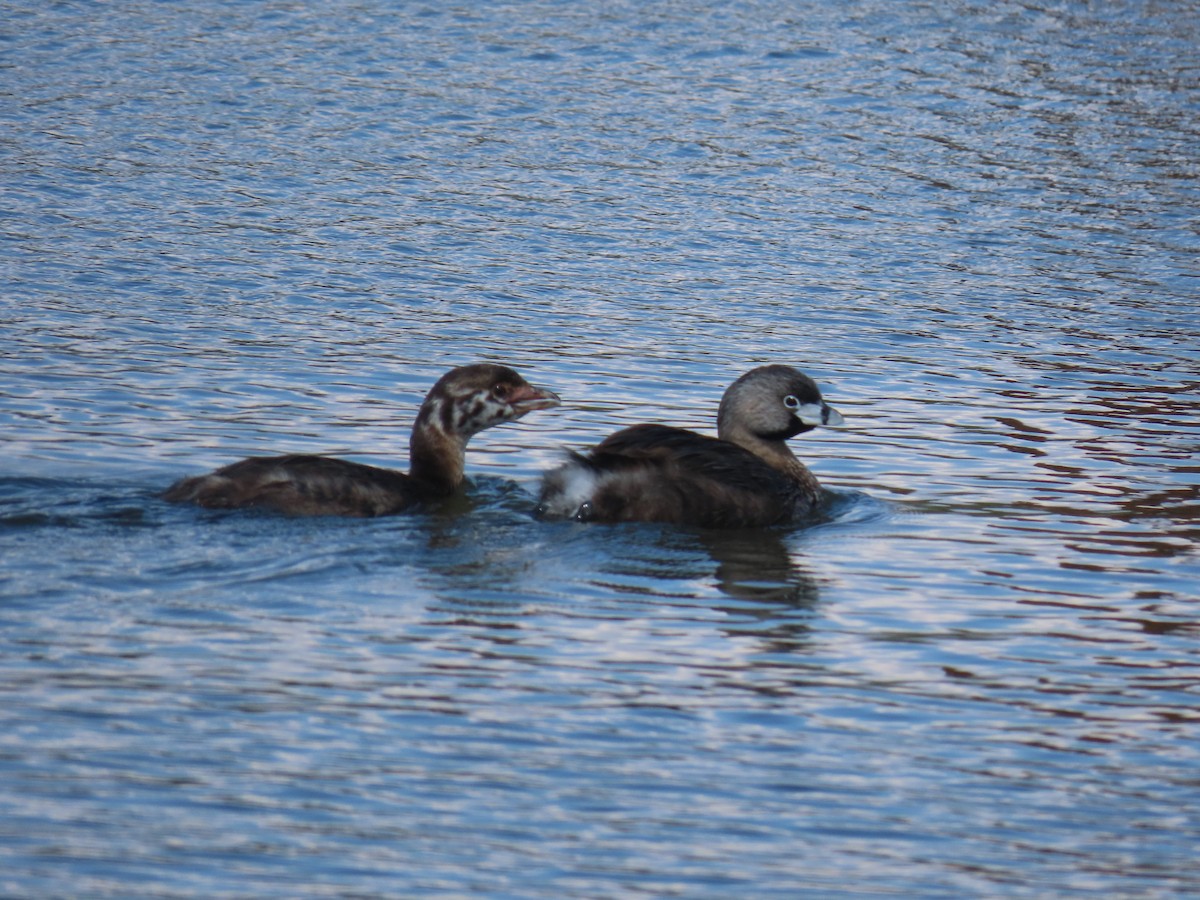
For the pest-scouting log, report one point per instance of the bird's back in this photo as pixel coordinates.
(300, 485)
(657, 473)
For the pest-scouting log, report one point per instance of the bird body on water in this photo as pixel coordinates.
(462, 403)
(746, 477)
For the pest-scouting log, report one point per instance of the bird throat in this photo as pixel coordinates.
(436, 459)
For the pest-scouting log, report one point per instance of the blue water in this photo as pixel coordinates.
(233, 228)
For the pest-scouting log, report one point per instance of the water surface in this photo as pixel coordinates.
(239, 228)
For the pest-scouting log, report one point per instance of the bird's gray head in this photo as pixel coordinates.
(773, 403)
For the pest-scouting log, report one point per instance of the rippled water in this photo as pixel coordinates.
(234, 228)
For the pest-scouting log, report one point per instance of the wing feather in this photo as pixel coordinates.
(300, 485)
(659, 473)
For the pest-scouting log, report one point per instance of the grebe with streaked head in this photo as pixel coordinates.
(463, 402)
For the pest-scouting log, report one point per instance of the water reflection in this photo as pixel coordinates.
(486, 544)
(778, 594)
(975, 222)
(757, 566)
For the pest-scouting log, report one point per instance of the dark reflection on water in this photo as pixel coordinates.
(757, 566)
(241, 228)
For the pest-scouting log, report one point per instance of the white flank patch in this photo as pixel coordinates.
(574, 486)
(579, 485)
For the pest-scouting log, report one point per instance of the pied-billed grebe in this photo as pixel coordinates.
(745, 478)
(464, 401)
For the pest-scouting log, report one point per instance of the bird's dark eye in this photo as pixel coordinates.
(791, 402)
(500, 391)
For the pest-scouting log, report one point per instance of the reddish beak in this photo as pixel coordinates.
(527, 398)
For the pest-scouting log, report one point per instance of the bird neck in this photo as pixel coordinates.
(775, 453)
(436, 458)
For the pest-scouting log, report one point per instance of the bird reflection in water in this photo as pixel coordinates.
(757, 566)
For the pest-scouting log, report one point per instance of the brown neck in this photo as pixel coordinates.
(435, 458)
(776, 454)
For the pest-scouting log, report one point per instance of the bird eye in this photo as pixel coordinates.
(500, 391)
(791, 402)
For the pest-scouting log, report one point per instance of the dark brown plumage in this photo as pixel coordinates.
(746, 477)
(464, 401)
